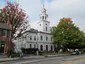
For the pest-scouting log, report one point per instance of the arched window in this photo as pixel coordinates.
(41, 47)
(41, 38)
(45, 17)
(34, 37)
(51, 48)
(30, 37)
(42, 17)
(46, 47)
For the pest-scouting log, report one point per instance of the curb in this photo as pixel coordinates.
(42, 57)
(13, 59)
(33, 61)
(49, 56)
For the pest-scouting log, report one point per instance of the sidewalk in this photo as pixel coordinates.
(18, 58)
(4, 59)
(58, 55)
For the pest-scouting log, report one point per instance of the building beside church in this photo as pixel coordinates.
(41, 38)
(5, 35)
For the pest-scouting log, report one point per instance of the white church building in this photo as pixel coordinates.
(41, 38)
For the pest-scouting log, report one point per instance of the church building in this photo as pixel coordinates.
(41, 38)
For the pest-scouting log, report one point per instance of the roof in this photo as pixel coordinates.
(36, 31)
(4, 26)
(32, 30)
(44, 32)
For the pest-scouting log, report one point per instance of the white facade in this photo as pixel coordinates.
(41, 38)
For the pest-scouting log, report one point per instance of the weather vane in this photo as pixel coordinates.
(43, 3)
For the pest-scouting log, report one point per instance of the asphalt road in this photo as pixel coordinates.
(77, 59)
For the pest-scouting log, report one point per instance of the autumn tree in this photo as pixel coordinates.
(15, 18)
(66, 33)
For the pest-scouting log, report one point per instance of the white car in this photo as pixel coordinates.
(75, 53)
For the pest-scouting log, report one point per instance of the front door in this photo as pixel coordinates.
(2, 47)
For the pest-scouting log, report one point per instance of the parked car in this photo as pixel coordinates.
(76, 53)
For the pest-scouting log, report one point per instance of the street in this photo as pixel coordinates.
(74, 59)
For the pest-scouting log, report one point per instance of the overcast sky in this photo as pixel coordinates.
(56, 9)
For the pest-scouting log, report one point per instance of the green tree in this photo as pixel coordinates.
(66, 33)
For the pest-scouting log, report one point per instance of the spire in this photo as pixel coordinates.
(43, 6)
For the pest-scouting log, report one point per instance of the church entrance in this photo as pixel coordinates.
(2, 46)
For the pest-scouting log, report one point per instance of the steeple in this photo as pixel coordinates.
(44, 24)
(43, 15)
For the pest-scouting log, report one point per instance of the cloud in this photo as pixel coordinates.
(34, 24)
(2, 4)
(31, 6)
(56, 9)
(67, 8)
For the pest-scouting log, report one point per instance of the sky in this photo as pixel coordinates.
(56, 9)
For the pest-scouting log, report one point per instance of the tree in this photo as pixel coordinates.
(15, 18)
(66, 33)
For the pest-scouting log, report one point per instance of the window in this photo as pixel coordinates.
(34, 45)
(46, 38)
(34, 37)
(43, 17)
(41, 47)
(30, 45)
(51, 38)
(51, 48)
(46, 28)
(2, 32)
(41, 37)
(40, 24)
(8, 33)
(30, 37)
(46, 47)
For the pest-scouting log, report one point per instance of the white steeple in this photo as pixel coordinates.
(43, 24)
